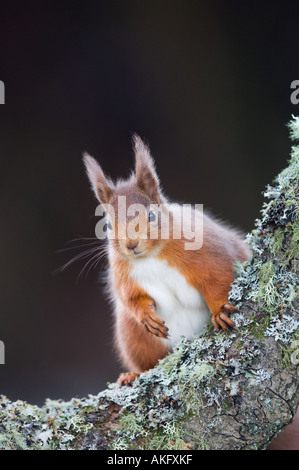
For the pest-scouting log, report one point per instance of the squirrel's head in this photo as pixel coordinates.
(132, 222)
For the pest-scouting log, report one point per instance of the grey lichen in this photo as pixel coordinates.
(270, 278)
(54, 426)
(227, 390)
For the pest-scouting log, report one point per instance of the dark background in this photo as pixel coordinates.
(206, 83)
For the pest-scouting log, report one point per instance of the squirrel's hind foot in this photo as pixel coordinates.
(222, 320)
(127, 378)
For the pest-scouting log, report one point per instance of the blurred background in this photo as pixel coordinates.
(206, 83)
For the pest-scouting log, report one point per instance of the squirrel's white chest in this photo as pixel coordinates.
(179, 304)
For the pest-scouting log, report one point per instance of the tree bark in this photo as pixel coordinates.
(226, 390)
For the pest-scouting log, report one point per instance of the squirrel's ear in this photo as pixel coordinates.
(102, 187)
(147, 178)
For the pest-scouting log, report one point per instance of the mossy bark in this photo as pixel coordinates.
(227, 390)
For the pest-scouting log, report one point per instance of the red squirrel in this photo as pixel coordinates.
(160, 290)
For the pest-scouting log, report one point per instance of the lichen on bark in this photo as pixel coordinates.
(227, 390)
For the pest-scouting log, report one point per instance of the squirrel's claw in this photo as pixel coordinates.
(222, 320)
(155, 326)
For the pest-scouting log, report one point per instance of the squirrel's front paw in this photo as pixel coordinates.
(154, 324)
(222, 320)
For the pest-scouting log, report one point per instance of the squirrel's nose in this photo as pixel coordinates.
(132, 244)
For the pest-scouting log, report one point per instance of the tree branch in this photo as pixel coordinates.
(227, 390)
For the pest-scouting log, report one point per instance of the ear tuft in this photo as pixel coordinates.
(102, 186)
(147, 178)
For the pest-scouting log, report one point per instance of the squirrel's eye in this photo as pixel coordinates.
(107, 226)
(151, 216)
